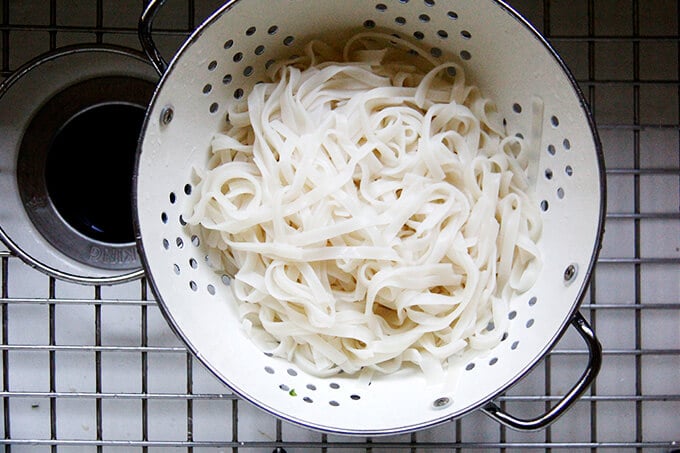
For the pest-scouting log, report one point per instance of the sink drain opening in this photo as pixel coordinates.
(75, 168)
(89, 168)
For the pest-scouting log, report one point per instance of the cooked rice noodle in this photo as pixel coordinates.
(371, 208)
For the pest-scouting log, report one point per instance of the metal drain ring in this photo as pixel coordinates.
(42, 79)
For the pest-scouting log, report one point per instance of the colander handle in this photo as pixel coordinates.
(144, 32)
(594, 363)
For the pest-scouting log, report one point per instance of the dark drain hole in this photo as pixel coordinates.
(89, 170)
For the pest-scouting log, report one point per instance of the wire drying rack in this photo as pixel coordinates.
(96, 368)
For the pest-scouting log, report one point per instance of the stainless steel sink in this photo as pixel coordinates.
(89, 367)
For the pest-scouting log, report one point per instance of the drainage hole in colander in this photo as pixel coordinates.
(469, 366)
(355, 397)
(544, 205)
(213, 107)
(211, 289)
(400, 20)
(179, 242)
(466, 34)
(530, 323)
(291, 372)
(207, 88)
(193, 263)
(334, 385)
(533, 301)
(248, 71)
(465, 55)
(175, 269)
(514, 345)
(369, 24)
(333, 403)
(512, 315)
(172, 197)
(505, 336)
(269, 370)
(259, 50)
(560, 193)
(226, 280)
(166, 244)
(193, 285)
(226, 80)
(519, 135)
(442, 34)
(551, 150)
(195, 241)
(228, 44)
(164, 217)
(187, 189)
(548, 174)
(238, 56)
(490, 326)
(284, 387)
(554, 121)
(419, 35)
(566, 144)
(517, 108)
(311, 387)
(288, 40)
(568, 170)
(429, 3)
(493, 361)
(381, 7)
(307, 399)
(238, 93)
(452, 15)
(437, 52)
(181, 220)
(424, 18)
(251, 31)
(212, 65)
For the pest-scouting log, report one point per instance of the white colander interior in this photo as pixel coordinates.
(224, 59)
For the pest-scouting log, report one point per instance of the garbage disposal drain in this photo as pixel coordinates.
(67, 150)
(75, 166)
(89, 171)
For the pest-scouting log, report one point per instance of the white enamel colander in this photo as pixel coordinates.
(510, 62)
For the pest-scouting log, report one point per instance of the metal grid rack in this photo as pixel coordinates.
(96, 368)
